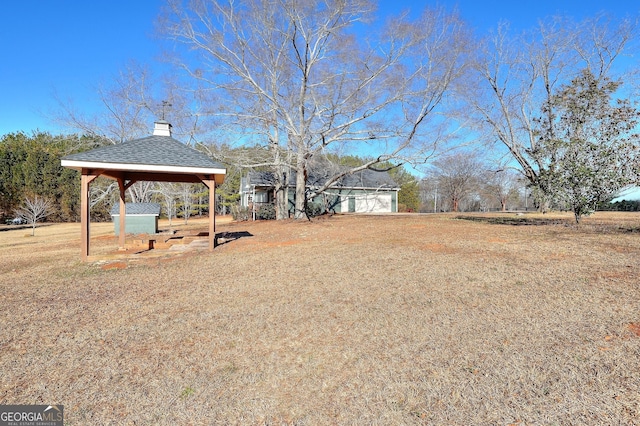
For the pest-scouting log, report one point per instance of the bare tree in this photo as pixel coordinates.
(169, 194)
(141, 191)
(131, 102)
(516, 75)
(500, 186)
(33, 209)
(128, 108)
(457, 176)
(186, 199)
(296, 77)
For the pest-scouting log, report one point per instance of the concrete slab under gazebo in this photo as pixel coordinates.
(156, 158)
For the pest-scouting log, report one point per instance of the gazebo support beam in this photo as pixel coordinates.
(123, 215)
(211, 184)
(123, 210)
(85, 215)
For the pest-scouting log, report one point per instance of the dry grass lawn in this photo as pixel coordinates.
(347, 320)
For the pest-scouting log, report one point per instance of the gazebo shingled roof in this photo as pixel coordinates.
(154, 158)
(163, 151)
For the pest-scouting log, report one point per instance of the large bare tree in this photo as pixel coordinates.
(128, 106)
(500, 186)
(516, 75)
(130, 103)
(457, 175)
(305, 77)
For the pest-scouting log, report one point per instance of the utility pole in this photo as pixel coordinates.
(435, 200)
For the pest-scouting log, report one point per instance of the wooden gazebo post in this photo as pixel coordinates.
(85, 213)
(211, 184)
(123, 215)
(123, 211)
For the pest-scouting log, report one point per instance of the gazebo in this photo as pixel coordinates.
(159, 158)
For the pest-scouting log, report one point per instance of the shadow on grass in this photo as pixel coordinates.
(227, 237)
(537, 221)
(516, 221)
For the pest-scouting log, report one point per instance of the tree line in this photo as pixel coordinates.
(30, 169)
(30, 166)
(460, 181)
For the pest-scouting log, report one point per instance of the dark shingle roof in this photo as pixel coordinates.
(137, 208)
(366, 178)
(151, 150)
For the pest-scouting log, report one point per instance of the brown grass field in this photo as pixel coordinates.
(345, 320)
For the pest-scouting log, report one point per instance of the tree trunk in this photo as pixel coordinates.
(301, 183)
(281, 194)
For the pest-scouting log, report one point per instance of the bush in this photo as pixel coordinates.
(315, 209)
(266, 212)
(239, 213)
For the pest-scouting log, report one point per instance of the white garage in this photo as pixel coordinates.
(367, 203)
(364, 191)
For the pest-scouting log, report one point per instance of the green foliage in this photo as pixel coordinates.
(315, 209)
(187, 392)
(620, 206)
(31, 165)
(229, 192)
(266, 212)
(239, 213)
(588, 146)
(409, 194)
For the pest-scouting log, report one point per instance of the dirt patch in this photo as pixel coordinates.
(114, 265)
(403, 319)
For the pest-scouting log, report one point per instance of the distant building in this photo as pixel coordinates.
(366, 191)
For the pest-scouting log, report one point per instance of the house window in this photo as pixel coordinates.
(261, 197)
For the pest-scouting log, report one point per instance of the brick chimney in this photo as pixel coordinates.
(162, 128)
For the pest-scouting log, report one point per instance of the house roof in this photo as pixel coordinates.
(150, 154)
(366, 178)
(137, 209)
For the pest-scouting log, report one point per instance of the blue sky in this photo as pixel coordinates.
(69, 47)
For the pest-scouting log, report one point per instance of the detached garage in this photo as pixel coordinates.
(365, 191)
(367, 203)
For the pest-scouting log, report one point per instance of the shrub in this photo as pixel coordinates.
(266, 212)
(239, 213)
(314, 209)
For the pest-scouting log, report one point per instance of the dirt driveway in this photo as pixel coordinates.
(343, 320)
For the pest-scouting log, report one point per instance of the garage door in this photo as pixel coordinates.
(366, 203)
